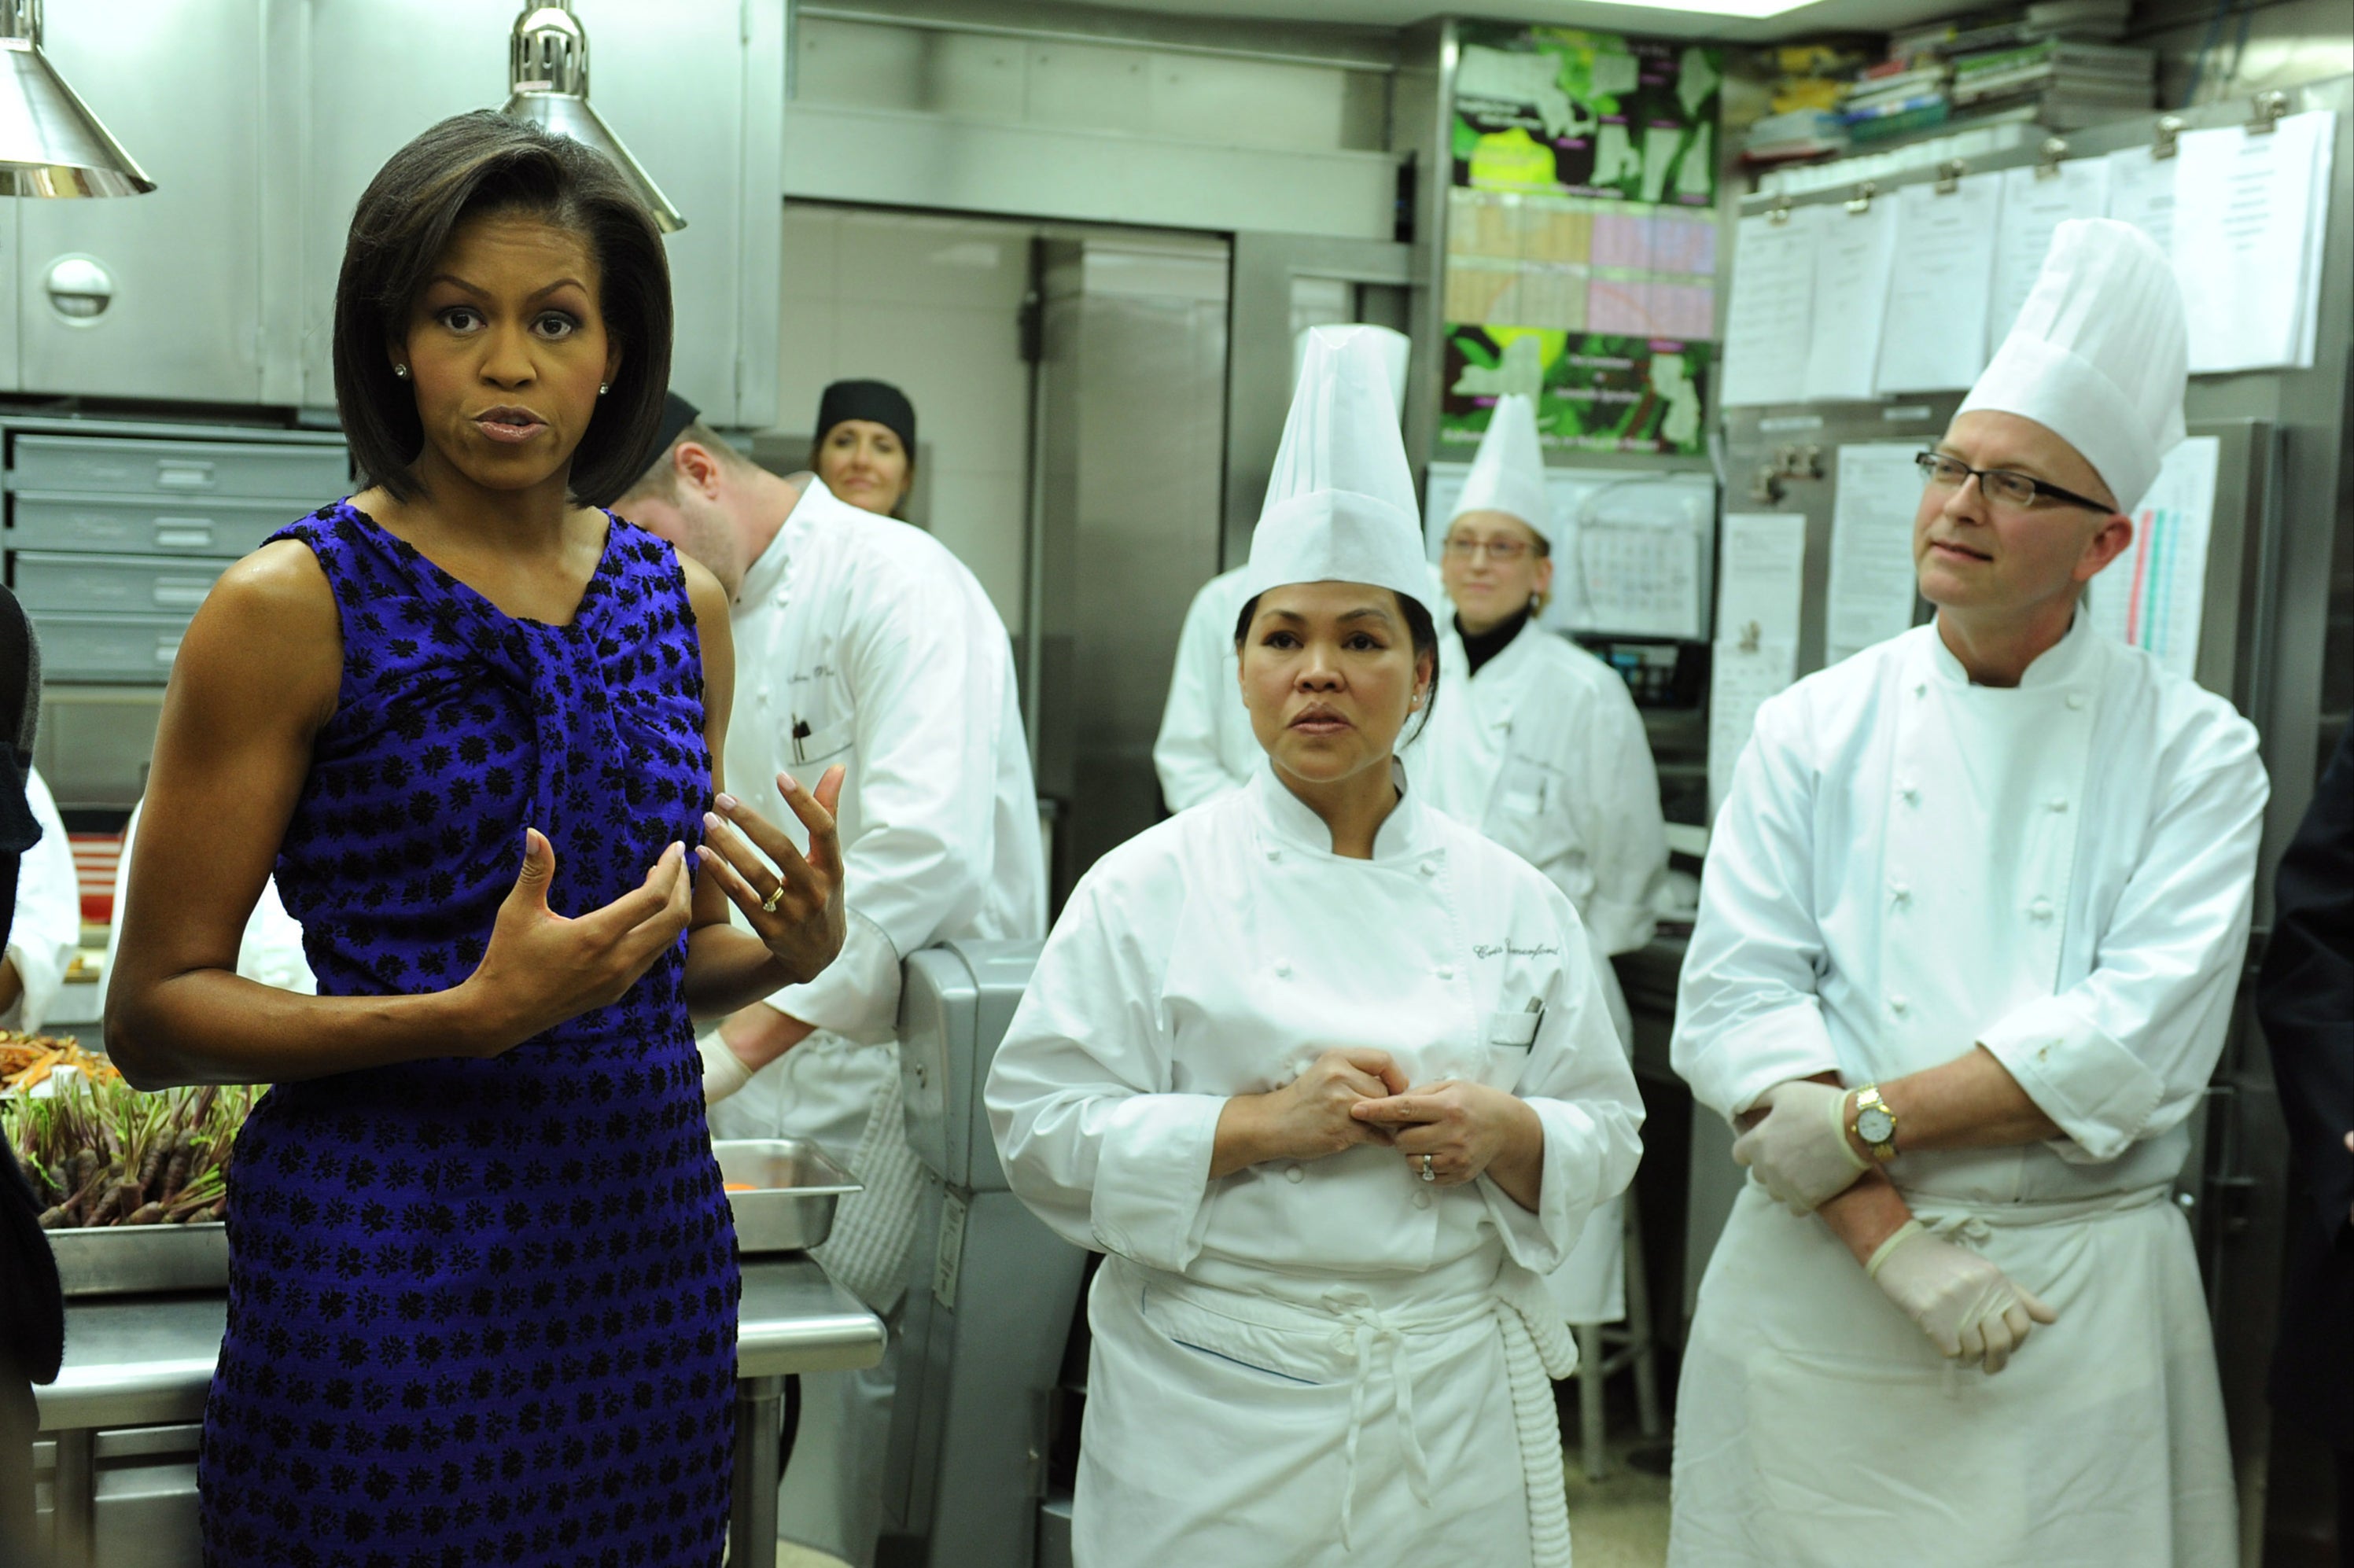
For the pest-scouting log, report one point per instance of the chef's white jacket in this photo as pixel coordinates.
(2062, 872)
(862, 640)
(1220, 953)
(46, 928)
(1276, 1350)
(1206, 748)
(1545, 752)
(1907, 865)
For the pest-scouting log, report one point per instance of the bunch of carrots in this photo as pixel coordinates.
(98, 1152)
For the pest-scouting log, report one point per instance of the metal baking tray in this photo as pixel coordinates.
(795, 1188)
(129, 1260)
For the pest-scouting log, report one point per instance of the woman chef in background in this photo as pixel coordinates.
(1329, 1077)
(1539, 748)
(866, 447)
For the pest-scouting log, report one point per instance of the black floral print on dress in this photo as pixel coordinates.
(482, 1311)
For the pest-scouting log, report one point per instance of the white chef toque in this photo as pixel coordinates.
(1396, 350)
(1509, 474)
(2099, 354)
(1340, 507)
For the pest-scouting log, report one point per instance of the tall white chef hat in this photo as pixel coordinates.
(1509, 474)
(2099, 354)
(1340, 507)
(1396, 349)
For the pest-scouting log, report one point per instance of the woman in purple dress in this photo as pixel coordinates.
(482, 1282)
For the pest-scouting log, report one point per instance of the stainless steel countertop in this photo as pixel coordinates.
(139, 1360)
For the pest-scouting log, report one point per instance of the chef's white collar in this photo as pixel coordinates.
(1290, 819)
(766, 574)
(2062, 663)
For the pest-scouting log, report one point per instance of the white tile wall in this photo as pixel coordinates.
(932, 305)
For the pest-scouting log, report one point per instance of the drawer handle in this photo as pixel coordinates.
(167, 648)
(184, 534)
(183, 474)
(181, 593)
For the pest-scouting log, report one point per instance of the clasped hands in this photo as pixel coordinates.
(1800, 1151)
(1354, 1095)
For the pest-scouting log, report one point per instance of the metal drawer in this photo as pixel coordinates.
(115, 649)
(125, 525)
(113, 583)
(117, 465)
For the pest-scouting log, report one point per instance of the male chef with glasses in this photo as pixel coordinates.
(1970, 928)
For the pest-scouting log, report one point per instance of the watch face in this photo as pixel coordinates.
(1874, 1125)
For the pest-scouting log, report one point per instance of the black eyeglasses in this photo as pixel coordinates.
(2000, 486)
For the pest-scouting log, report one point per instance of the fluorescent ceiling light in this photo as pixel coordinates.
(548, 74)
(50, 144)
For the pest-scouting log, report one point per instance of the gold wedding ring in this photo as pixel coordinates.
(768, 905)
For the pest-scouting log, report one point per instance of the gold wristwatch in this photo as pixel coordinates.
(1875, 1123)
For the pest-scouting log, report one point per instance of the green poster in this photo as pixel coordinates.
(1557, 112)
(1594, 392)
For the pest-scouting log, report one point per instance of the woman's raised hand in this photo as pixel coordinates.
(541, 969)
(1307, 1118)
(793, 901)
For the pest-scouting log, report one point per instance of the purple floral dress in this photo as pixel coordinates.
(482, 1311)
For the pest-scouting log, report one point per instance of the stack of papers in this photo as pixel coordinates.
(1914, 292)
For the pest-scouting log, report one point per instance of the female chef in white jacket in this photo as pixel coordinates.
(1329, 1077)
(1540, 749)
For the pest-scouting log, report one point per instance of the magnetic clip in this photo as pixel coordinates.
(2166, 136)
(1949, 175)
(2266, 109)
(1861, 203)
(2048, 156)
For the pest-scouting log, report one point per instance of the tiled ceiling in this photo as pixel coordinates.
(1804, 21)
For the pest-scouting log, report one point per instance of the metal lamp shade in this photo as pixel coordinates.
(569, 114)
(50, 144)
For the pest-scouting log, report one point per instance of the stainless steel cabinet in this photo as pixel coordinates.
(159, 295)
(263, 120)
(117, 531)
(695, 88)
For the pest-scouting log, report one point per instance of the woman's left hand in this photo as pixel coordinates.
(1461, 1128)
(793, 901)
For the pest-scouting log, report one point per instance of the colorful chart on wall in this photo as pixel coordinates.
(1594, 392)
(1557, 112)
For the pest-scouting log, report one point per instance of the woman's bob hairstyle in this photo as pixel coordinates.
(466, 166)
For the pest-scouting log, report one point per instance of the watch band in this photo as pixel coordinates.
(1867, 1099)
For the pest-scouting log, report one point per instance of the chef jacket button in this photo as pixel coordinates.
(1920, 688)
(2040, 909)
(1283, 969)
(1911, 791)
(1899, 1006)
(2058, 802)
(2075, 699)
(1447, 971)
(764, 696)
(1901, 891)
(1430, 868)
(1422, 1200)
(1272, 852)
(1294, 1173)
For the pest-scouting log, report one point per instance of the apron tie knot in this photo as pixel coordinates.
(1361, 1328)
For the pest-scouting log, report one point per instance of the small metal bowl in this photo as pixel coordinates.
(795, 1188)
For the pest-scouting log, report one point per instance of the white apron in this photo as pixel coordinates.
(1441, 1383)
(1816, 1423)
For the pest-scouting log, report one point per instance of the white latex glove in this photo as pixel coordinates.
(1970, 1309)
(1800, 1148)
(724, 1072)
